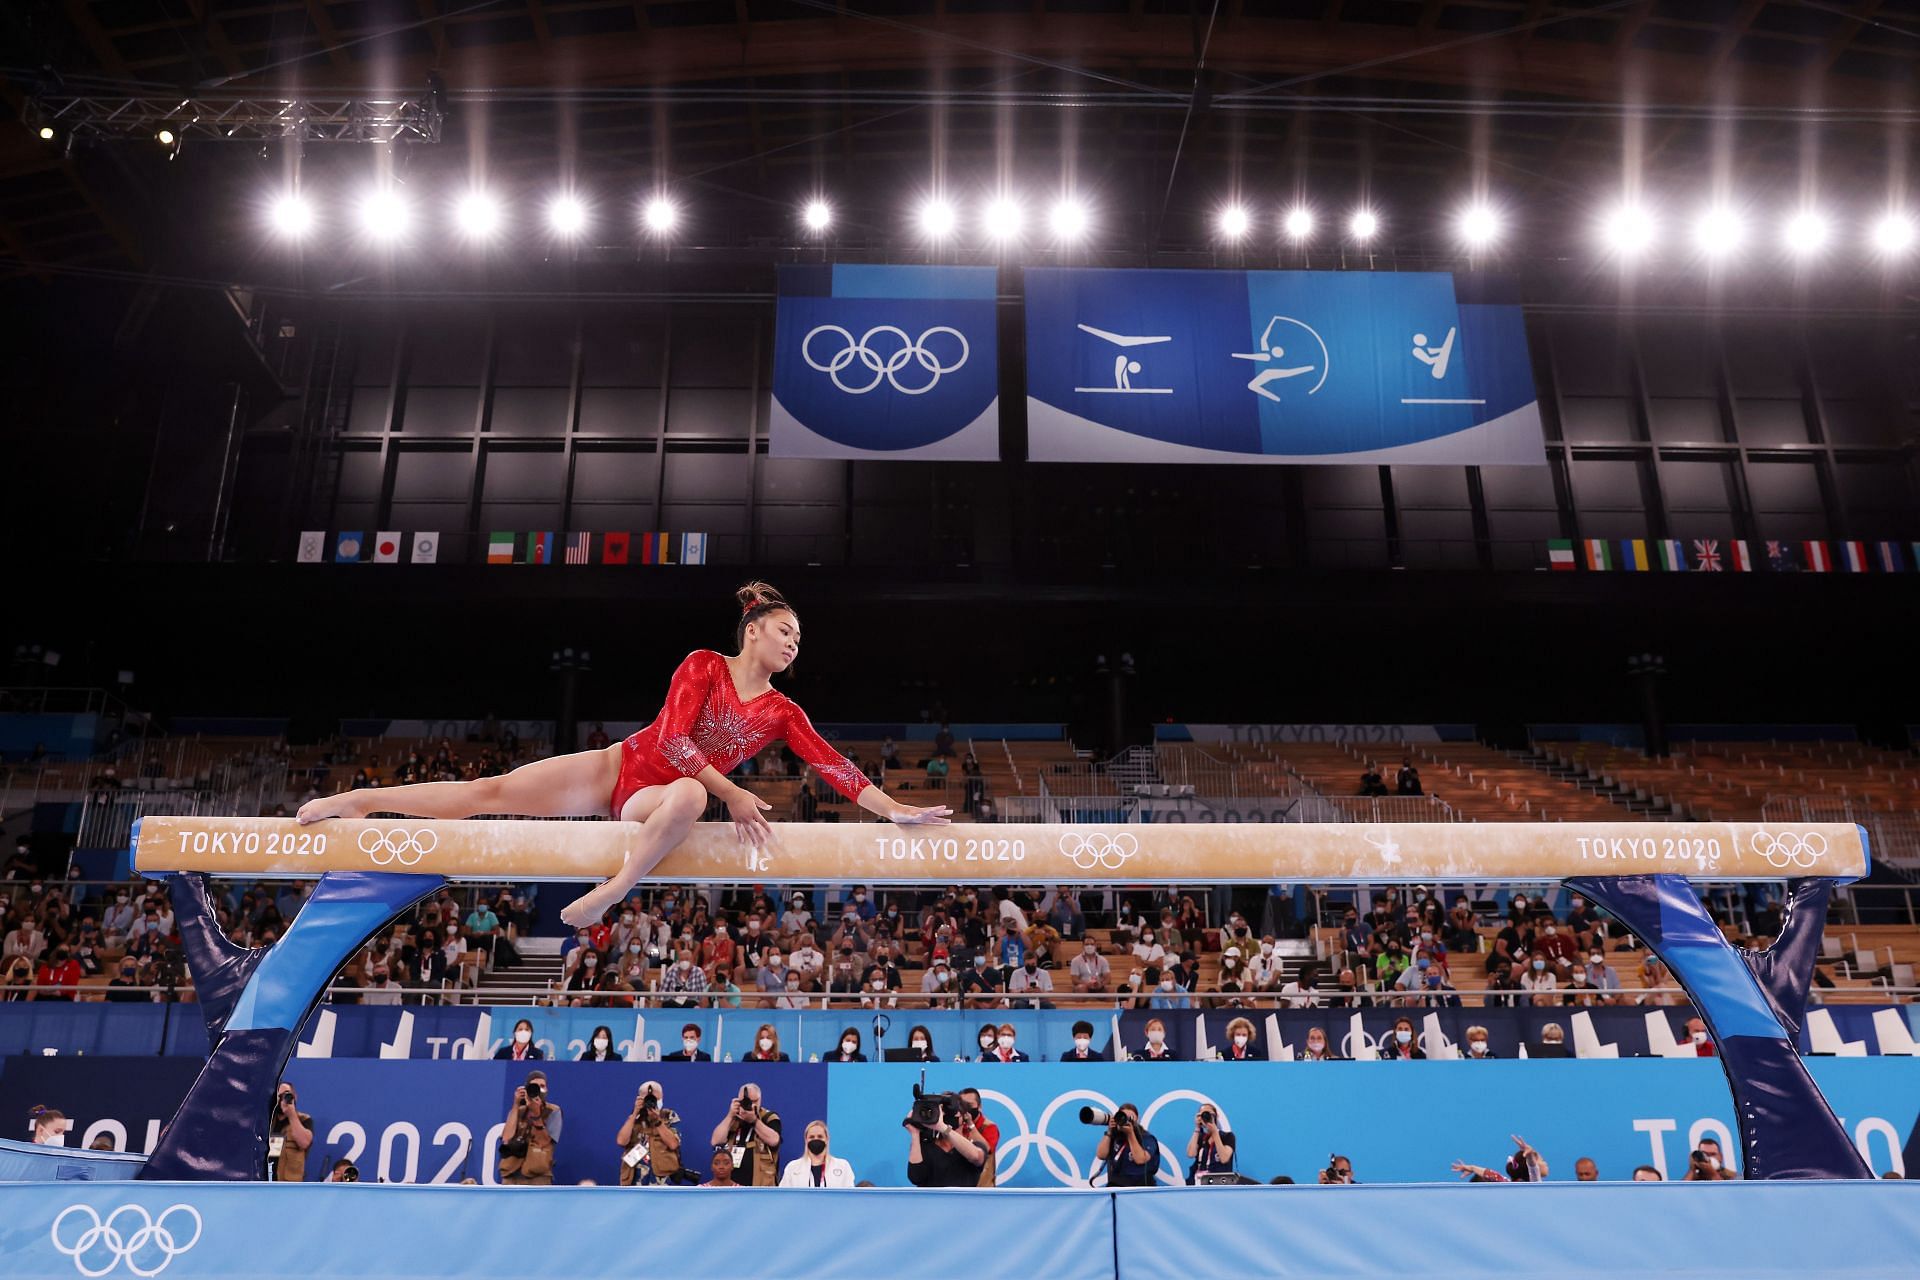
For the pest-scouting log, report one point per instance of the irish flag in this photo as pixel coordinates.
(500, 548)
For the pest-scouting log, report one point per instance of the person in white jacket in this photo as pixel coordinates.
(819, 1167)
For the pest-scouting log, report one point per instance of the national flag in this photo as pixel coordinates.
(1560, 554)
(1853, 556)
(313, 546)
(1783, 557)
(500, 548)
(426, 548)
(693, 548)
(1633, 555)
(656, 548)
(1742, 556)
(1819, 558)
(386, 548)
(577, 548)
(1599, 554)
(1672, 558)
(346, 548)
(1888, 554)
(1706, 555)
(539, 548)
(613, 548)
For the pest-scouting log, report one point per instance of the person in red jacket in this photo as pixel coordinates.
(59, 970)
(719, 711)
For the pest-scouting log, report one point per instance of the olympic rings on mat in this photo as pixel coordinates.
(1789, 848)
(1098, 849)
(139, 1248)
(398, 844)
(911, 350)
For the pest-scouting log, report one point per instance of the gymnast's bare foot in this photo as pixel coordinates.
(345, 805)
(589, 907)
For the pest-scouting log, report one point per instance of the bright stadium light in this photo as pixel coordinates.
(478, 215)
(291, 216)
(1627, 230)
(1719, 232)
(1003, 218)
(166, 137)
(1298, 224)
(937, 219)
(1893, 234)
(567, 216)
(1807, 233)
(384, 215)
(1479, 225)
(661, 215)
(1235, 221)
(1363, 226)
(46, 133)
(1068, 219)
(818, 215)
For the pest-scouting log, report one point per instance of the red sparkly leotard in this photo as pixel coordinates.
(705, 723)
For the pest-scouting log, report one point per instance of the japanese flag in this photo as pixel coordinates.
(386, 548)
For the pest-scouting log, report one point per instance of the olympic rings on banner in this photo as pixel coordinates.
(911, 351)
(1098, 849)
(398, 844)
(138, 1248)
(1789, 848)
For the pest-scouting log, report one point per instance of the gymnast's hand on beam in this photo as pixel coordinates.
(908, 815)
(746, 809)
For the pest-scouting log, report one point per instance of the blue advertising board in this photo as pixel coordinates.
(1274, 366)
(886, 362)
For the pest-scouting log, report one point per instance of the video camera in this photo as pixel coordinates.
(931, 1110)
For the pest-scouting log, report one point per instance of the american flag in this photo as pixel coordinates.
(577, 548)
(1706, 555)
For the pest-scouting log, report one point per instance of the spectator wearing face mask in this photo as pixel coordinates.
(819, 1167)
(793, 996)
(937, 982)
(1461, 932)
(1082, 1050)
(1004, 1049)
(807, 960)
(123, 987)
(1029, 980)
(1601, 977)
(1558, 945)
(682, 984)
(1156, 1048)
(49, 1126)
(1264, 970)
(119, 918)
(1707, 1163)
(1148, 950)
(1584, 923)
(1539, 982)
(1163, 988)
(520, 1048)
(795, 920)
(1390, 964)
(689, 1050)
(982, 986)
(766, 1046)
(60, 972)
(920, 1045)
(1317, 1048)
(1703, 1046)
(988, 1040)
(1240, 1043)
(599, 1047)
(1477, 1047)
(649, 1141)
(1400, 1044)
(849, 1050)
(1090, 971)
(1553, 1041)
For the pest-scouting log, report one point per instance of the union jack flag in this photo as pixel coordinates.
(1706, 555)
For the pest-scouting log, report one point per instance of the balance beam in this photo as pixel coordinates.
(1011, 853)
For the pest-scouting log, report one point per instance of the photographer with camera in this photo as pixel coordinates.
(940, 1151)
(1130, 1153)
(532, 1130)
(751, 1135)
(1211, 1148)
(1705, 1164)
(343, 1170)
(650, 1139)
(1338, 1173)
(289, 1136)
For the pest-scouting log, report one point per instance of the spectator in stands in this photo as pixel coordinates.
(806, 960)
(1477, 1047)
(1540, 983)
(773, 971)
(1317, 1048)
(982, 986)
(1147, 950)
(530, 1136)
(1585, 1170)
(1401, 1045)
(1706, 1163)
(683, 983)
(795, 920)
(1165, 990)
(689, 1050)
(1655, 974)
(1461, 932)
(1060, 907)
(21, 864)
(750, 1133)
(123, 987)
(1210, 1148)
(766, 1046)
(1004, 1047)
(381, 989)
(425, 965)
(987, 1039)
(1131, 1154)
(1407, 781)
(1264, 969)
(1028, 979)
(920, 1045)
(1646, 1173)
(1156, 1048)
(25, 941)
(937, 772)
(1372, 782)
(119, 918)
(1703, 1045)
(484, 930)
(1427, 985)
(794, 995)
(1585, 924)
(1347, 992)
(1392, 962)
(937, 981)
(844, 980)
(1553, 1041)
(1240, 1043)
(849, 1050)
(819, 1167)
(889, 754)
(1090, 970)
(943, 740)
(1082, 1050)
(289, 1137)
(86, 949)
(59, 977)
(649, 1139)
(1558, 946)
(599, 1047)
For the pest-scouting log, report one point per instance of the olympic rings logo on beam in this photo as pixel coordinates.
(1789, 848)
(398, 844)
(146, 1249)
(910, 351)
(1011, 1155)
(1098, 849)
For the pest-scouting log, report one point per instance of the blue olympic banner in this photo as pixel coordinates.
(886, 362)
(1274, 366)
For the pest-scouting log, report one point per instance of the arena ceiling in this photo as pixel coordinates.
(1160, 109)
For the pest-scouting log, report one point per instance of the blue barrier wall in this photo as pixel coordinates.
(1756, 1231)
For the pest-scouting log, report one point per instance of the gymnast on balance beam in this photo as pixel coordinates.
(719, 711)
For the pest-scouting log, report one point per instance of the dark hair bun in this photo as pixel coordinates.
(756, 595)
